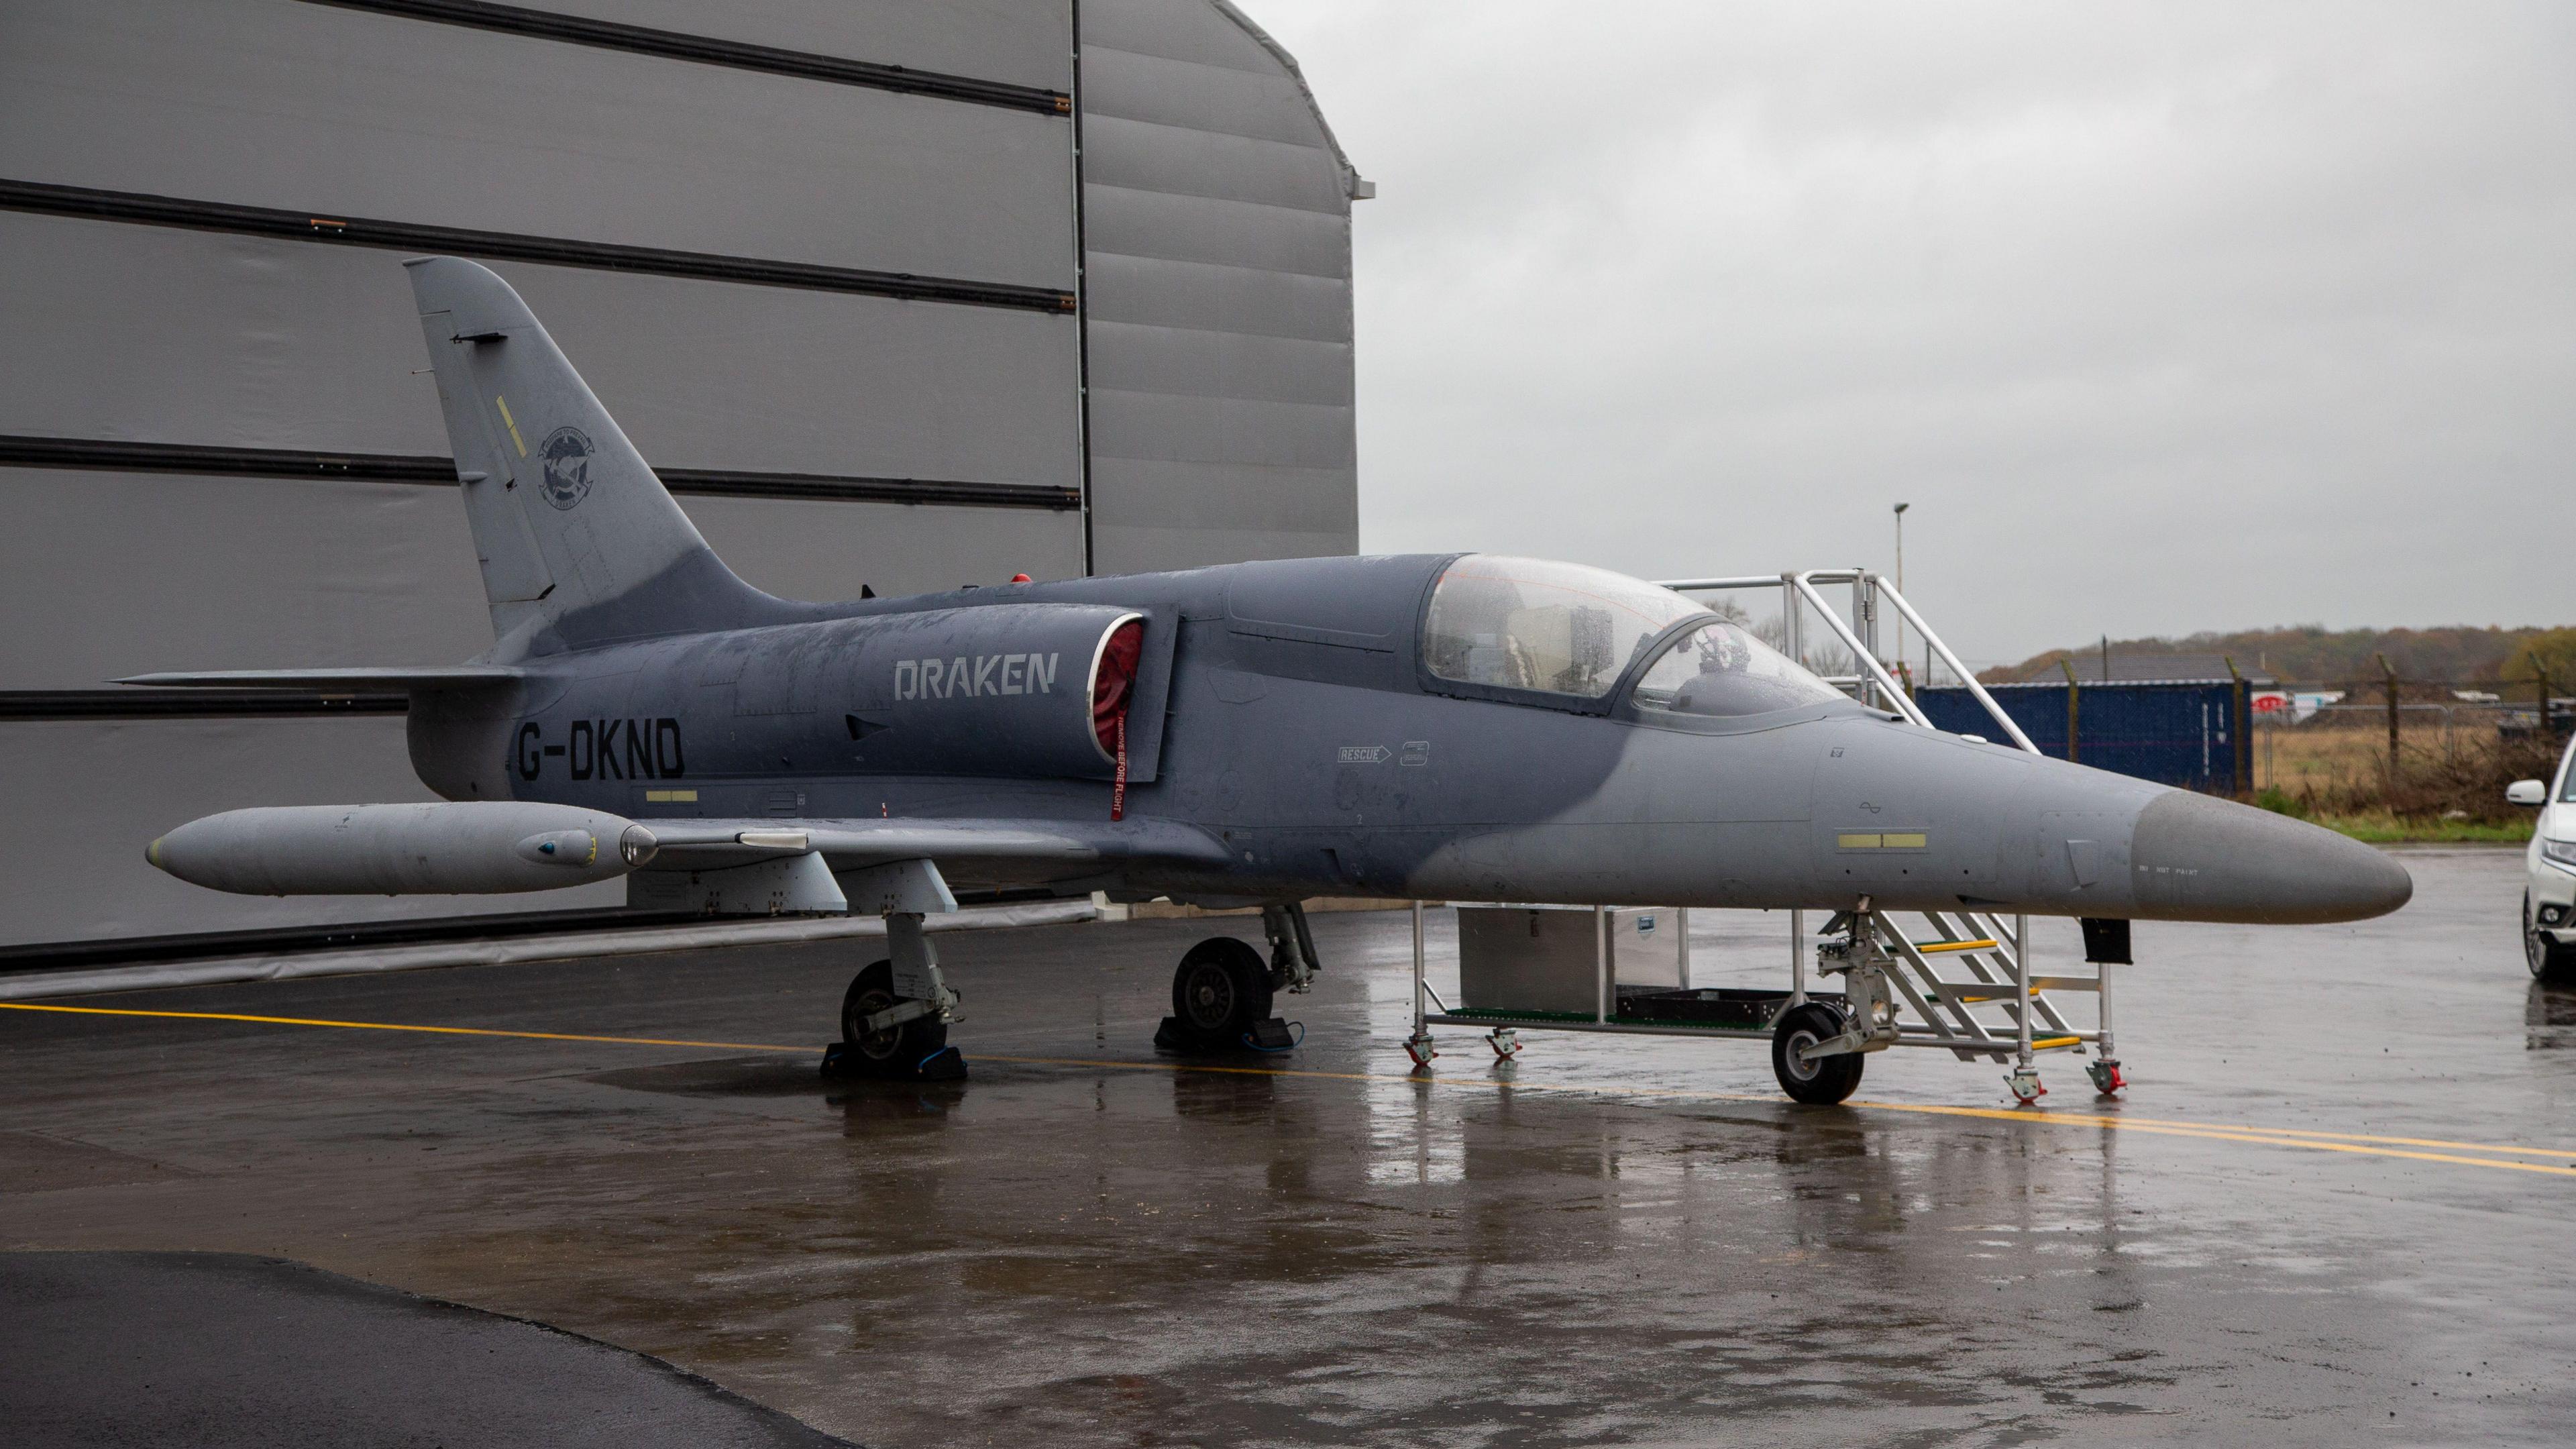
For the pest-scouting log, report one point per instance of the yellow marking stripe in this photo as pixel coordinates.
(504, 404)
(2312, 1138)
(755, 1046)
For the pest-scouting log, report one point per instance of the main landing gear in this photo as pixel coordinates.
(895, 1016)
(869, 1050)
(1222, 991)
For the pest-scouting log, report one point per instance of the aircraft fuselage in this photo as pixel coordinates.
(1284, 711)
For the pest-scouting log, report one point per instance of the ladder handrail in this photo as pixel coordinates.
(1868, 657)
(1804, 583)
(1957, 667)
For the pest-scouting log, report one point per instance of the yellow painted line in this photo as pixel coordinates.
(513, 423)
(2310, 1138)
(2089, 1119)
(399, 1026)
(1937, 947)
(2219, 1132)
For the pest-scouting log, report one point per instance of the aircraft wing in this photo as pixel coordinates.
(432, 676)
(696, 844)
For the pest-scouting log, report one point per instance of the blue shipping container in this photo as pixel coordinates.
(2188, 735)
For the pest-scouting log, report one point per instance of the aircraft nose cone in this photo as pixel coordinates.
(2203, 859)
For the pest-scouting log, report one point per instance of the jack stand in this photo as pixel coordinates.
(1292, 947)
(2024, 1083)
(1418, 1046)
(2106, 1077)
(1505, 1042)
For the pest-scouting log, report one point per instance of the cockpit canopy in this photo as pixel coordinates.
(1564, 629)
(1556, 628)
(1719, 670)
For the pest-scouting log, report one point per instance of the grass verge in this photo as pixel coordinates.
(2382, 827)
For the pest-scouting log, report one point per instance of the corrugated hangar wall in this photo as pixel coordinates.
(906, 294)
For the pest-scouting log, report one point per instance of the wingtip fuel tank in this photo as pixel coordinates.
(451, 848)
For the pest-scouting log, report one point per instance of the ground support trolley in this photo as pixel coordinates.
(1956, 983)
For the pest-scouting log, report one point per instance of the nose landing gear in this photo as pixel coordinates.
(1816, 1080)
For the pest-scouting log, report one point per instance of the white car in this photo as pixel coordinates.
(2549, 899)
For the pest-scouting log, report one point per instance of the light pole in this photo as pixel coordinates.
(1905, 673)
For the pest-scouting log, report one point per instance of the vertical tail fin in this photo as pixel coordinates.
(579, 540)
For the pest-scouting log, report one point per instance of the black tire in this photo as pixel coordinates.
(2548, 960)
(1822, 1082)
(1221, 988)
(891, 1053)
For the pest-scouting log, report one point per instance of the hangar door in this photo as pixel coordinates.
(825, 263)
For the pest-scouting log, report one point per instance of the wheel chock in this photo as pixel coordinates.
(1175, 1038)
(1271, 1035)
(2106, 1077)
(842, 1063)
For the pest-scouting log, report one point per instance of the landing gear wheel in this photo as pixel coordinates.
(1821, 1082)
(2548, 960)
(1220, 990)
(895, 1051)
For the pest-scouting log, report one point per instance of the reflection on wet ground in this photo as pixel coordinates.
(1611, 1241)
(2550, 1011)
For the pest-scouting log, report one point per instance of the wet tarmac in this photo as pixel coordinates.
(2336, 1208)
(218, 1350)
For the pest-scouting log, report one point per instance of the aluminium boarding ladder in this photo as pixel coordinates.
(1999, 1008)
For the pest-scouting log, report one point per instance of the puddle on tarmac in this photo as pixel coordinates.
(777, 1075)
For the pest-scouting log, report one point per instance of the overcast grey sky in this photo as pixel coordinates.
(2163, 316)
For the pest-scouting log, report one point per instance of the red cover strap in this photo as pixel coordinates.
(1118, 791)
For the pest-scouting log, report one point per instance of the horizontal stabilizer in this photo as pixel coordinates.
(430, 676)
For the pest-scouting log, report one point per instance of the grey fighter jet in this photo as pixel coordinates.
(1456, 727)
